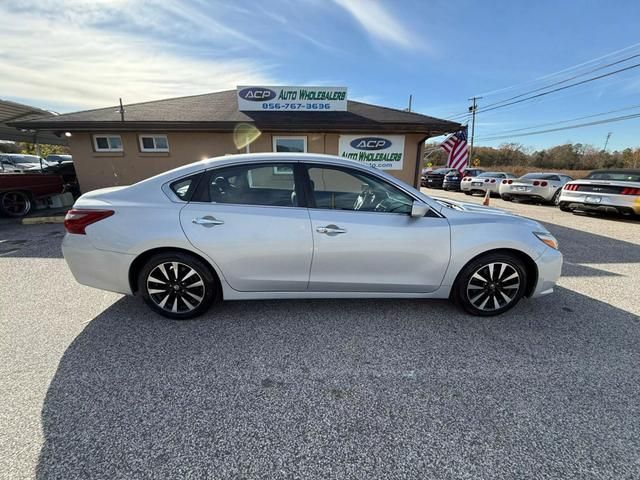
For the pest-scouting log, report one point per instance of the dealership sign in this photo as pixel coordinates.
(385, 152)
(282, 99)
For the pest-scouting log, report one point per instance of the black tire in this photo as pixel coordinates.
(15, 204)
(506, 198)
(555, 200)
(180, 295)
(466, 192)
(466, 283)
(564, 208)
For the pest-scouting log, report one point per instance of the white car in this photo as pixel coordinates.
(541, 187)
(276, 225)
(485, 181)
(16, 162)
(614, 191)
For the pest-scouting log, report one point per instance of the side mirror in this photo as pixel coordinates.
(419, 209)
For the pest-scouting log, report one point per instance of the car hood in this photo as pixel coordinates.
(479, 212)
(470, 207)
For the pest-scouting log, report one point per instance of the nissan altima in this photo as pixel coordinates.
(276, 225)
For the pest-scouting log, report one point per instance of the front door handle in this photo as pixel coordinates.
(331, 230)
(207, 221)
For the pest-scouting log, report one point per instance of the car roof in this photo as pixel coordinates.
(239, 159)
(631, 171)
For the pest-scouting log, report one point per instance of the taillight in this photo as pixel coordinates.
(509, 182)
(571, 187)
(486, 180)
(630, 191)
(536, 183)
(493, 181)
(543, 184)
(503, 182)
(77, 220)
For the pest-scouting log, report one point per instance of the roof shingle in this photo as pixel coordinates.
(219, 111)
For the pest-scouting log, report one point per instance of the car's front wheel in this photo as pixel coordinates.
(177, 285)
(491, 284)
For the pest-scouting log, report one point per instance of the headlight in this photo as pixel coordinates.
(547, 238)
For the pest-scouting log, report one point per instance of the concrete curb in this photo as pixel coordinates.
(42, 220)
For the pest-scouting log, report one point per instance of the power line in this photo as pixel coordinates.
(558, 122)
(565, 80)
(588, 124)
(582, 82)
(568, 69)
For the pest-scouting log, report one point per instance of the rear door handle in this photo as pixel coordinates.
(331, 230)
(207, 221)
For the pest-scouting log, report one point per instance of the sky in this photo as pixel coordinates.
(69, 55)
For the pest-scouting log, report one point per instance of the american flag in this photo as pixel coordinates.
(458, 150)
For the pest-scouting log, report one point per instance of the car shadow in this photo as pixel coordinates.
(347, 388)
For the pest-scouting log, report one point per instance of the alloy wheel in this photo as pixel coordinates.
(175, 287)
(493, 286)
(15, 204)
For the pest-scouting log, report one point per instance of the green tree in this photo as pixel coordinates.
(30, 148)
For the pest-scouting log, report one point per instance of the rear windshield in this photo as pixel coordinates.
(619, 176)
(492, 175)
(541, 176)
(441, 170)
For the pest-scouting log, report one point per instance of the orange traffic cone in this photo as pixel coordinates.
(487, 197)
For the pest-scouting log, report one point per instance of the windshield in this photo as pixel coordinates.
(633, 176)
(25, 159)
(492, 175)
(442, 171)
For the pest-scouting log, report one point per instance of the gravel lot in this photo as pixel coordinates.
(93, 385)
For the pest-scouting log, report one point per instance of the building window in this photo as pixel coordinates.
(153, 143)
(290, 144)
(107, 143)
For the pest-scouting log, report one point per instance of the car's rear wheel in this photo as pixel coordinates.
(15, 204)
(506, 198)
(555, 200)
(564, 208)
(491, 284)
(177, 285)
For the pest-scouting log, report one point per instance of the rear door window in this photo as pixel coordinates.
(271, 184)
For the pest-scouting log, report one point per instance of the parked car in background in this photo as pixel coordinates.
(17, 162)
(58, 158)
(487, 181)
(19, 191)
(435, 178)
(248, 226)
(614, 191)
(453, 179)
(66, 169)
(541, 187)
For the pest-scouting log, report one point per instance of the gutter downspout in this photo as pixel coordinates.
(416, 179)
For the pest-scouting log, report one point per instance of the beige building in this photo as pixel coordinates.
(113, 147)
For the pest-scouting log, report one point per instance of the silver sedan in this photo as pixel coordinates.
(541, 187)
(279, 225)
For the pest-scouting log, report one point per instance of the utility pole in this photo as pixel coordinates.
(410, 100)
(606, 142)
(472, 109)
(121, 110)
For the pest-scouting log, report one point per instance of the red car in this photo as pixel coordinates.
(18, 191)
